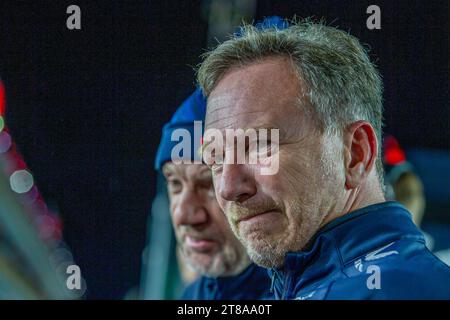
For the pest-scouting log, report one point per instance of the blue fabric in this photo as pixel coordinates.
(273, 22)
(343, 258)
(252, 284)
(192, 109)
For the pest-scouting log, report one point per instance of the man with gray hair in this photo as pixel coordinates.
(321, 223)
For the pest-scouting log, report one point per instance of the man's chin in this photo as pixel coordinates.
(204, 264)
(265, 252)
(266, 259)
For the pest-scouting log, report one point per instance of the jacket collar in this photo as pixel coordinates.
(252, 277)
(368, 228)
(347, 238)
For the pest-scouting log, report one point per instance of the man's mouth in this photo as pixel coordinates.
(250, 218)
(199, 244)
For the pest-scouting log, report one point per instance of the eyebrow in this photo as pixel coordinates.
(168, 170)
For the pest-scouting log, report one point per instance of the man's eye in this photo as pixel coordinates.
(265, 148)
(259, 146)
(174, 185)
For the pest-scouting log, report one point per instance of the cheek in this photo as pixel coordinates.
(219, 221)
(270, 185)
(221, 203)
(297, 183)
(218, 216)
(174, 214)
(291, 175)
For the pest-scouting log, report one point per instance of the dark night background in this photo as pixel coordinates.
(86, 106)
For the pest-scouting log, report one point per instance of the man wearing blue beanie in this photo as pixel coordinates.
(202, 231)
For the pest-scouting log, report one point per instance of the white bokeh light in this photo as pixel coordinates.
(21, 181)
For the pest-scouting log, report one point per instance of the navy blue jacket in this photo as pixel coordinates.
(372, 253)
(251, 284)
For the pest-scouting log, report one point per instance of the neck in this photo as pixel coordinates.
(356, 198)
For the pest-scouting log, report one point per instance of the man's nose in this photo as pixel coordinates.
(236, 184)
(190, 210)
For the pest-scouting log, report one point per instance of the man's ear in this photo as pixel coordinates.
(360, 152)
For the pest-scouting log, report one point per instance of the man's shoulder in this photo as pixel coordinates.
(415, 274)
(196, 290)
(253, 283)
(391, 284)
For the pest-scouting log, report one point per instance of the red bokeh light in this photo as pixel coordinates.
(393, 153)
(2, 99)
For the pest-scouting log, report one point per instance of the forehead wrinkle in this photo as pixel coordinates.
(229, 124)
(224, 100)
(258, 101)
(209, 122)
(232, 116)
(214, 110)
(264, 124)
(215, 103)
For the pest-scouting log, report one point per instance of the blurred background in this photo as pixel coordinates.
(81, 113)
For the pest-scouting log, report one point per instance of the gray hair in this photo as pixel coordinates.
(342, 84)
